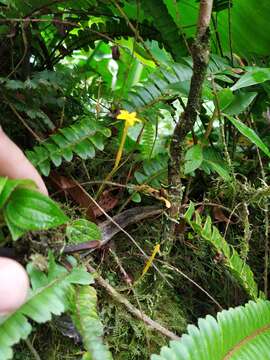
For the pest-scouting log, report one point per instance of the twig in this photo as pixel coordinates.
(22, 120)
(29, 20)
(266, 225)
(132, 309)
(171, 267)
(32, 349)
(25, 43)
(136, 33)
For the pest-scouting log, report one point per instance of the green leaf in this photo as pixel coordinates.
(240, 102)
(30, 210)
(88, 323)
(81, 138)
(82, 230)
(193, 158)
(80, 276)
(212, 161)
(250, 134)
(7, 186)
(222, 171)
(233, 261)
(136, 197)
(252, 77)
(44, 301)
(239, 333)
(225, 97)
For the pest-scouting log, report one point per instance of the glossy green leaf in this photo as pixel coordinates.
(193, 158)
(252, 77)
(8, 186)
(250, 134)
(30, 210)
(225, 97)
(49, 297)
(239, 103)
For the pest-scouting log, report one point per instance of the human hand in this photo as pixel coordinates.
(15, 165)
(14, 283)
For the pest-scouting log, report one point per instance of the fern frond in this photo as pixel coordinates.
(48, 297)
(167, 83)
(89, 325)
(148, 140)
(81, 138)
(233, 261)
(154, 171)
(160, 85)
(239, 333)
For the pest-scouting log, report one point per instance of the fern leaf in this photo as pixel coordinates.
(154, 171)
(81, 138)
(233, 261)
(161, 85)
(43, 302)
(239, 333)
(167, 83)
(148, 140)
(88, 323)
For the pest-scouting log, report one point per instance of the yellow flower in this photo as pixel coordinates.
(130, 118)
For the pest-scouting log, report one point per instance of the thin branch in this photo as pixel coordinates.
(131, 308)
(25, 43)
(173, 268)
(22, 120)
(135, 31)
(31, 20)
(32, 349)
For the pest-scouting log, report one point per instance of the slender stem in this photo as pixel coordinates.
(32, 349)
(22, 120)
(135, 31)
(131, 308)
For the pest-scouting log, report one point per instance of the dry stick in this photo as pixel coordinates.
(32, 349)
(132, 309)
(200, 55)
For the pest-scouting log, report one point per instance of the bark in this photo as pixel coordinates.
(200, 54)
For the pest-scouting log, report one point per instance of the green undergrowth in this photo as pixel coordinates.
(50, 345)
(173, 305)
